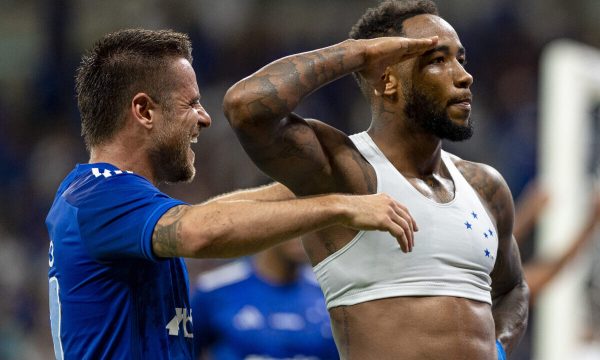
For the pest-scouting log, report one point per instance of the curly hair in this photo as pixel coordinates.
(118, 66)
(387, 19)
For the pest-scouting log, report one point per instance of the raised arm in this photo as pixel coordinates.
(240, 227)
(510, 293)
(259, 107)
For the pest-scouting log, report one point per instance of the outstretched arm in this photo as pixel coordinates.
(270, 192)
(259, 107)
(236, 228)
(510, 293)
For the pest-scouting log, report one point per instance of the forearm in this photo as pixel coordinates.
(237, 228)
(510, 313)
(275, 91)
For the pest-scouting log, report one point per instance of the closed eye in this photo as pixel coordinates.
(195, 103)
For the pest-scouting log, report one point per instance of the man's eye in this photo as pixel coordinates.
(438, 60)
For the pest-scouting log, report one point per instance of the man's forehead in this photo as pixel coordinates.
(427, 25)
(185, 77)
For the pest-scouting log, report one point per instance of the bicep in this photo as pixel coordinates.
(494, 192)
(271, 192)
(508, 271)
(291, 153)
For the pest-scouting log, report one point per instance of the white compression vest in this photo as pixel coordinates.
(455, 247)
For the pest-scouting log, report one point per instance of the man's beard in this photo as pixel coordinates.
(169, 159)
(427, 115)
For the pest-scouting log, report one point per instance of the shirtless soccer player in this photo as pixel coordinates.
(457, 292)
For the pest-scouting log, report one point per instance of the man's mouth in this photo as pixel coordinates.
(464, 102)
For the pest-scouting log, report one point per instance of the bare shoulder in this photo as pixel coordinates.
(491, 187)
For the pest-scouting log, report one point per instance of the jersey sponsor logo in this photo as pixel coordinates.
(181, 321)
(108, 173)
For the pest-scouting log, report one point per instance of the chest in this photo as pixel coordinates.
(435, 187)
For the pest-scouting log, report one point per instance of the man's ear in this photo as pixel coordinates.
(390, 82)
(143, 109)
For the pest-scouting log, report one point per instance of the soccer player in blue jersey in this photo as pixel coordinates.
(118, 286)
(266, 308)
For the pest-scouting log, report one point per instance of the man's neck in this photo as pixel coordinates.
(414, 153)
(123, 157)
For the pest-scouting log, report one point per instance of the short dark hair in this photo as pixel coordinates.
(120, 65)
(387, 19)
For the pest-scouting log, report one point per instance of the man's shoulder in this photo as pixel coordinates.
(488, 183)
(476, 173)
(101, 181)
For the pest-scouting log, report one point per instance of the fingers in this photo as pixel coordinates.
(402, 225)
(418, 46)
(401, 230)
(400, 234)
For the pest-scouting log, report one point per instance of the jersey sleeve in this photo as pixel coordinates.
(116, 216)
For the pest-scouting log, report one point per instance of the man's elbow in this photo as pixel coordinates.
(234, 105)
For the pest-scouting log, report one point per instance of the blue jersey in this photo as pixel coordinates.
(237, 315)
(110, 296)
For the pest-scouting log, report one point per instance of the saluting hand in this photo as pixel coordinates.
(385, 51)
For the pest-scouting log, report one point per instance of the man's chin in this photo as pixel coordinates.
(458, 133)
(182, 176)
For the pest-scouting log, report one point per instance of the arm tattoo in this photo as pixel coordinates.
(166, 238)
(510, 295)
(279, 87)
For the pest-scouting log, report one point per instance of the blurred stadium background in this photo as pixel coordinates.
(41, 42)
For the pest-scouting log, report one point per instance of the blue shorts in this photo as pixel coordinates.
(501, 352)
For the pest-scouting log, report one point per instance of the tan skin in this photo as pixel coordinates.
(311, 157)
(235, 224)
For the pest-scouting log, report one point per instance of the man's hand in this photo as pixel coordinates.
(381, 212)
(386, 51)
